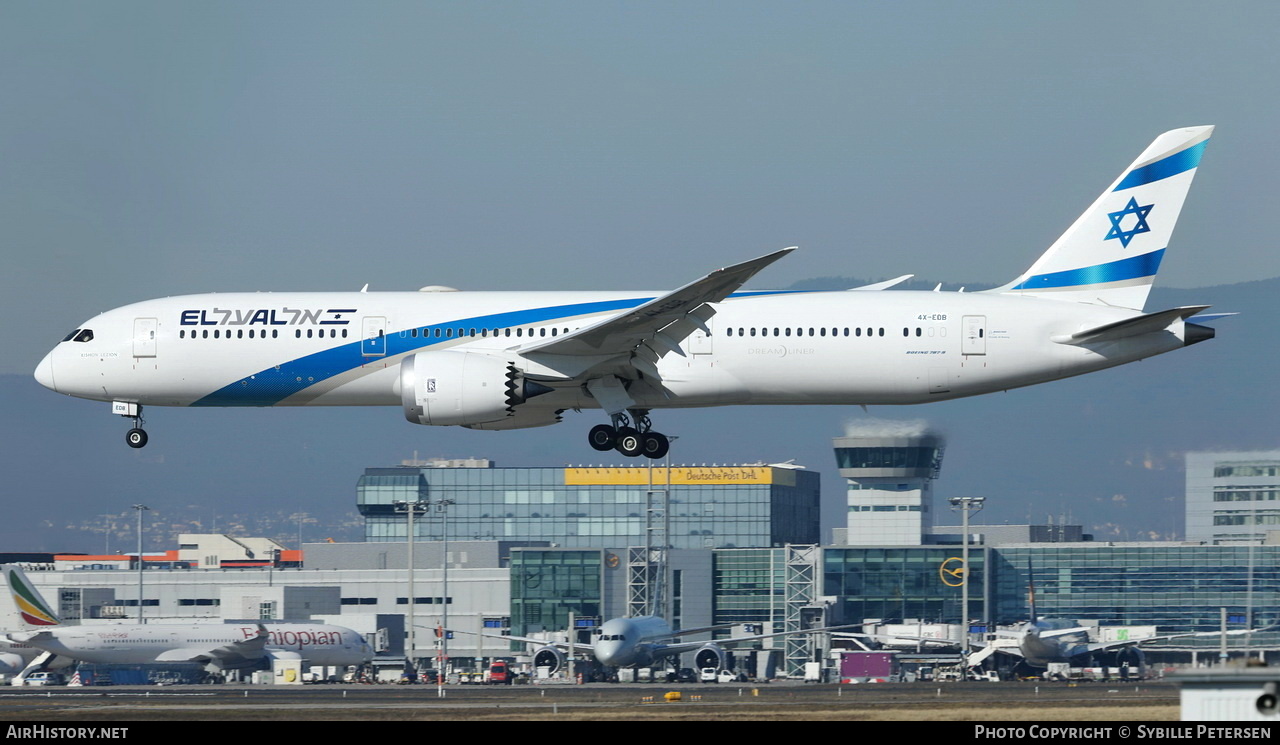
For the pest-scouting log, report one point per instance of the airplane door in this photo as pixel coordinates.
(974, 335)
(699, 341)
(374, 340)
(144, 337)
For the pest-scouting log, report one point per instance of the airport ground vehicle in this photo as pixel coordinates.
(44, 679)
(500, 673)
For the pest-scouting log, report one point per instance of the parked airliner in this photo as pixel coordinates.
(643, 641)
(510, 360)
(32, 622)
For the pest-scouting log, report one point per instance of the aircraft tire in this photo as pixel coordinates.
(602, 437)
(654, 445)
(630, 442)
(136, 437)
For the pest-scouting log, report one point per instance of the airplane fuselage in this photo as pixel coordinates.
(345, 349)
(124, 644)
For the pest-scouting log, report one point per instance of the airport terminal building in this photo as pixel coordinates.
(530, 548)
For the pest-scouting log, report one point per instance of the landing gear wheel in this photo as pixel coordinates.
(136, 437)
(654, 445)
(602, 437)
(630, 442)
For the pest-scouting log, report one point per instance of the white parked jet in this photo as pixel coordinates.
(31, 621)
(509, 360)
(643, 641)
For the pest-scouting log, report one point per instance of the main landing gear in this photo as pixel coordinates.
(628, 440)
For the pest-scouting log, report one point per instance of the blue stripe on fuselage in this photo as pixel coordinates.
(273, 385)
(1133, 267)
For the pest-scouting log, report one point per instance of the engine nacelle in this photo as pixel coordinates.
(464, 388)
(11, 664)
(549, 657)
(709, 655)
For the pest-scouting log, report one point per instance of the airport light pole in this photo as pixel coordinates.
(965, 505)
(140, 508)
(442, 506)
(410, 509)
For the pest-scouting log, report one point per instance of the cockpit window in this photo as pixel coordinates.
(84, 335)
(70, 335)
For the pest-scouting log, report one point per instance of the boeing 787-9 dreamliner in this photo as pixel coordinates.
(510, 360)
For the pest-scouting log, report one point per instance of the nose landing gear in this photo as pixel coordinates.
(628, 440)
(136, 437)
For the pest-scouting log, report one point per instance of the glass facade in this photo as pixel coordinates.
(749, 586)
(898, 583)
(1174, 587)
(549, 584)
(580, 508)
(915, 458)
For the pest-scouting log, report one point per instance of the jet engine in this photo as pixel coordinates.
(709, 655)
(549, 657)
(11, 664)
(463, 388)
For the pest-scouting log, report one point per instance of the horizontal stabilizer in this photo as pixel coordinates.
(1143, 324)
(1211, 317)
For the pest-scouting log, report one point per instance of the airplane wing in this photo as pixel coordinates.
(577, 646)
(236, 654)
(647, 333)
(1103, 646)
(877, 286)
(681, 647)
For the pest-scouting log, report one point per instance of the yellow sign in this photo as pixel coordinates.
(947, 573)
(682, 475)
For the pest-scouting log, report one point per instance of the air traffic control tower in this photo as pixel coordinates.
(889, 468)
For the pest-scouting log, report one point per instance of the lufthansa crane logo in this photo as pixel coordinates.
(952, 572)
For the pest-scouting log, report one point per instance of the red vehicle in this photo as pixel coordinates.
(500, 674)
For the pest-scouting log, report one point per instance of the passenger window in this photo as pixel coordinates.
(788, 332)
(753, 331)
(275, 333)
(239, 333)
(182, 334)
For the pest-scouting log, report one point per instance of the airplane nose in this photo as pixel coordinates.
(44, 372)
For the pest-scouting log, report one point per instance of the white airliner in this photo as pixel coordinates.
(510, 360)
(31, 621)
(643, 641)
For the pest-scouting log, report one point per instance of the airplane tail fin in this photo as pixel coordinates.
(25, 609)
(1111, 253)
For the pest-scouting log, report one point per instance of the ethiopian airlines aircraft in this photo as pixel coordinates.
(509, 360)
(31, 623)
